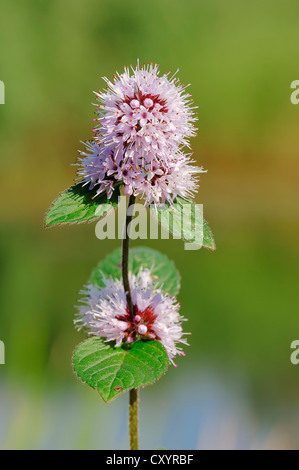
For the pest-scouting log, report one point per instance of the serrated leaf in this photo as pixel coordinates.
(78, 204)
(112, 371)
(164, 272)
(171, 218)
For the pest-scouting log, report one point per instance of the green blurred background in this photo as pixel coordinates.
(237, 387)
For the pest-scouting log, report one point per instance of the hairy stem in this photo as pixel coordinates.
(133, 404)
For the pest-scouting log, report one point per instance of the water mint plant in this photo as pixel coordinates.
(129, 308)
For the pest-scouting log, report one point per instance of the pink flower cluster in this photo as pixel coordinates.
(144, 121)
(104, 312)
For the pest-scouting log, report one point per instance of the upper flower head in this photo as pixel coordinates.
(144, 115)
(155, 315)
(144, 120)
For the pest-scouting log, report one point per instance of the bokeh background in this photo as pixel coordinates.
(237, 388)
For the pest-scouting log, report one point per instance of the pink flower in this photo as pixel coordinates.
(155, 317)
(144, 121)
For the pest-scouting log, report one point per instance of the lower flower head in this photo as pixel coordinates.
(155, 315)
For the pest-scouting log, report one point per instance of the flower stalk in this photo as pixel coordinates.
(133, 399)
(133, 419)
(125, 253)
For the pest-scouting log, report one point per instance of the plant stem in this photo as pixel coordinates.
(133, 419)
(133, 404)
(125, 254)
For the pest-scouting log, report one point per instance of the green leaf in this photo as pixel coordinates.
(112, 371)
(164, 272)
(78, 204)
(171, 219)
